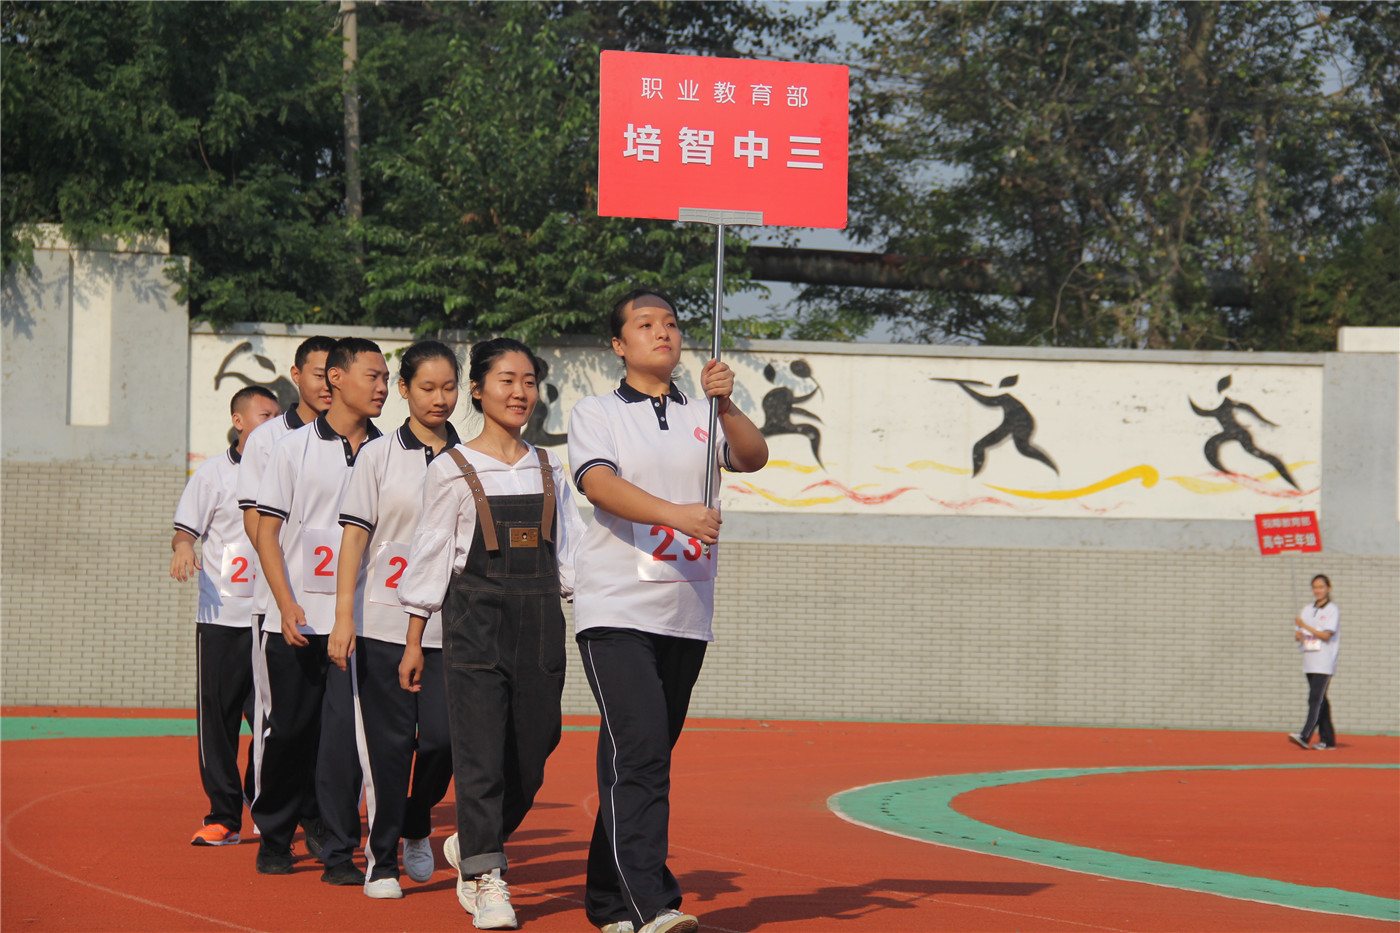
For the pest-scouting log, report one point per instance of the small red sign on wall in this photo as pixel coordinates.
(679, 132)
(1288, 531)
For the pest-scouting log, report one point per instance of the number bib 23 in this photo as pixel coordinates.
(389, 565)
(239, 571)
(320, 548)
(664, 555)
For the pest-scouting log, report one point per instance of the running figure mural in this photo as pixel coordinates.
(1016, 423)
(242, 356)
(780, 404)
(1232, 430)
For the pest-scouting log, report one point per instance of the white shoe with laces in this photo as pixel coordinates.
(622, 926)
(418, 859)
(671, 921)
(466, 889)
(493, 910)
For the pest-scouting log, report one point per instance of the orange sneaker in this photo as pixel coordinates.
(215, 834)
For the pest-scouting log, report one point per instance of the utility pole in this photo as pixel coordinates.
(354, 203)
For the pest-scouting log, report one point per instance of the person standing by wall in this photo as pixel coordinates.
(645, 596)
(1318, 636)
(208, 512)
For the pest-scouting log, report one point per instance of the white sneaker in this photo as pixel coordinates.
(418, 859)
(493, 910)
(622, 926)
(449, 850)
(466, 889)
(383, 888)
(671, 921)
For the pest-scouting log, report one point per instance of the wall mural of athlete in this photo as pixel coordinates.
(1016, 423)
(780, 404)
(242, 357)
(535, 431)
(1232, 430)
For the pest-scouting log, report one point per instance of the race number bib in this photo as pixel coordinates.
(1312, 644)
(389, 565)
(664, 555)
(239, 571)
(320, 549)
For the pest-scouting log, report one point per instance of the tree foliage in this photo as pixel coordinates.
(222, 123)
(1102, 161)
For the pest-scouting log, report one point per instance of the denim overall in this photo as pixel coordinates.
(503, 648)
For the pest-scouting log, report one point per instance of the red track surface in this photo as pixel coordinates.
(96, 831)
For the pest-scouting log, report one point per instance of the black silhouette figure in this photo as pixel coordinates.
(780, 404)
(1232, 430)
(535, 432)
(280, 386)
(1016, 423)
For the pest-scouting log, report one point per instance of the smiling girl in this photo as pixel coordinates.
(645, 596)
(494, 551)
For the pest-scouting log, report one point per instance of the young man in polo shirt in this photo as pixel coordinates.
(208, 512)
(312, 720)
(309, 376)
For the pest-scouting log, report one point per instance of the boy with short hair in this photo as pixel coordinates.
(208, 512)
(298, 535)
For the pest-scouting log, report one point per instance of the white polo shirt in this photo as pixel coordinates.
(209, 511)
(302, 486)
(648, 578)
(443, 537)
(257, 451)
(1320, 657)
(385, 496)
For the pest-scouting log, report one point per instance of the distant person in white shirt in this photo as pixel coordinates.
(645, 596)
(1316, 631)
(404, 733)
(312, 719)
(494, 553)
(208, 512)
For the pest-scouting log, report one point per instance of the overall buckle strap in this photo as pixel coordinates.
(547, 480)
(483, 508)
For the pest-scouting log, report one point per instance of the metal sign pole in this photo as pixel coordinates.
(711, 449)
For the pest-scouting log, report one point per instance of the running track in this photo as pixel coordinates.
(95, 833)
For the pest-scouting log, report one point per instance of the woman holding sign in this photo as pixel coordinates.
(494, 552)
(378, 512)
(645, 596)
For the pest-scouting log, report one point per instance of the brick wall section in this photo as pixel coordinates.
(90, 614)
(813, 631)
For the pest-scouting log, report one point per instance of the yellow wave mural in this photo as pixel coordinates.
(1205, 487)
(940, 467)
(925, 465)
(1142, 471)
(789, 465)
(773, 497)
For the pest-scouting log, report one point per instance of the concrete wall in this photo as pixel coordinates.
(880, 579)
(95, 424)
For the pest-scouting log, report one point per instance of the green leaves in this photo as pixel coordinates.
(1115, 160)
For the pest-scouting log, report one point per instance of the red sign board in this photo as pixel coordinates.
(1288, 531)
(678, 132)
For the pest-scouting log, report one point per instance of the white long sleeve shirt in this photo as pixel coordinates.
(443, 537)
